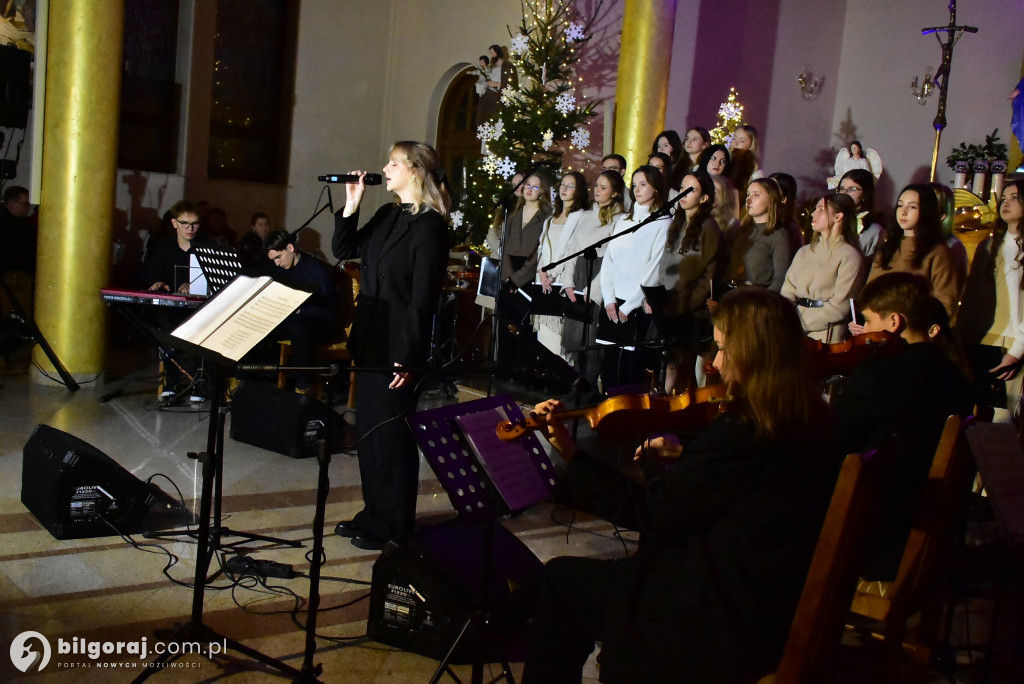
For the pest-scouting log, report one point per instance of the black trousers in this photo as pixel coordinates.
(388, 458)
(570, 617)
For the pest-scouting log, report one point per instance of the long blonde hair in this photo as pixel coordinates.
(764, 341)
(422, 160)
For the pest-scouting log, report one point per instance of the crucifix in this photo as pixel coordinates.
(941, 80)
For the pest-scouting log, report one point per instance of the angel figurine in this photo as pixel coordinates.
(855, 157)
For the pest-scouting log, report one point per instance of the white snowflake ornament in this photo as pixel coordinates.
(485, 132)
(574, 33)
(580, 138)
(549, 138)
(498, 129)
(519, 44)
(456, 217)
(565, 102)
(506, 168)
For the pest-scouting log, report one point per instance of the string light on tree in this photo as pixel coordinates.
(541, 115)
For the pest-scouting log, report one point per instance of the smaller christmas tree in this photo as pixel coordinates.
(730, 115)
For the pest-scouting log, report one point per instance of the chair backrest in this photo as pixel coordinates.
(832, 577)
(932, 535)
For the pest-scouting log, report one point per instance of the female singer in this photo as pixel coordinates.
(827, 273)
(519, 258)
(745, 167)
(404, 251)
(714, 160)
(696, 141)
(669, 142)
(914, 242)
(572, 206)
(859, 185)
(625, 263)
(759, 253)
(991, 318)
(693, 256)
(727, 208)
(731, 527)
(662, 162)
(609, 196)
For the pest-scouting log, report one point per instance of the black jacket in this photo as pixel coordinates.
(403, 261)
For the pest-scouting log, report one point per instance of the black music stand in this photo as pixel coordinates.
(209, 536)
(219, 266)
(485, 478)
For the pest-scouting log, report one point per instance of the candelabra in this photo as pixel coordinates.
(810, 87)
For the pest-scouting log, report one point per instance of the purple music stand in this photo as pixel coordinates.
(484, 476)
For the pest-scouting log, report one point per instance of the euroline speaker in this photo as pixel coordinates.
(77, 491)
(425, 587)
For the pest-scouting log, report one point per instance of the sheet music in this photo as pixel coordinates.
(507, 464)
(241, 315)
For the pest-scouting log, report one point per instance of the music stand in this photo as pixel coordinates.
(484, 477)
(211, 268)
(232, 322)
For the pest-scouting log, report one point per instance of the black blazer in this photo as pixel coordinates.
(403, 261)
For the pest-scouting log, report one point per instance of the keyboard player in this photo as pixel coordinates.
(165, 269)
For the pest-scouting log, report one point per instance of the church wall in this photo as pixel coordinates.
(883, 50)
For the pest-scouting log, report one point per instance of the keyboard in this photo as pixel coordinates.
(178, 301)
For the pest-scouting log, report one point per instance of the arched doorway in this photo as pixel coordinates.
(457, 144)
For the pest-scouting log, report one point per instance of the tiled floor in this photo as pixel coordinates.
(102, 589)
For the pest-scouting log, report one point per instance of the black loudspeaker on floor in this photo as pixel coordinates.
(75, 490)
(425, 587)
(283, 421)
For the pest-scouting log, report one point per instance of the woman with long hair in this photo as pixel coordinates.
(519, 259)
(741, 509)
(759, 253)
(859, 185)
(693, 257)
(625, 264)
(727, 208)
(501, 75)
(991, 317)
(404, 252)
(696, 141)
(572, 205)
(668, 142)
(714, 160)
(594, 225)
(828, 272)
(745, 166)
(914, 243)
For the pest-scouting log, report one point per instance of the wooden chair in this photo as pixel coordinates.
(832, 576)
(922, 576)
(337, 350)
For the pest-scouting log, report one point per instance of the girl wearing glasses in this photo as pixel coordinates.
(859, 185)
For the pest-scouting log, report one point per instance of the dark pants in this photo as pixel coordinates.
(388, 458)
(305, 331)
(570, 617)
(624, 367)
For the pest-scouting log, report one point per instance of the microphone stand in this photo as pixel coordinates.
(590, 254)
(329, 205)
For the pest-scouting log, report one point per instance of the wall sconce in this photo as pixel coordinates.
(925, 90)
(810, 87)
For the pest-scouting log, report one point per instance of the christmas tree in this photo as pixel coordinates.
(539, 117)
(730, 115)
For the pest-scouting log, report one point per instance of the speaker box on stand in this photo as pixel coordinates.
(75, 490)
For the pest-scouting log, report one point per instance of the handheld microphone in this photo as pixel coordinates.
(369, 179)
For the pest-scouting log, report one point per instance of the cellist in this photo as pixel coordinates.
(730, 527)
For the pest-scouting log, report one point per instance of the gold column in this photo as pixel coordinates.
(641, 92)
(76, 201)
